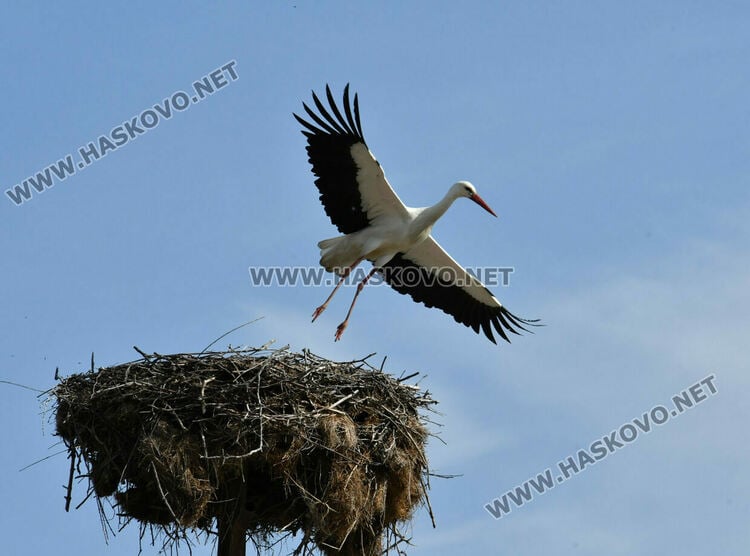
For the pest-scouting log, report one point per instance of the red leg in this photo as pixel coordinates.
(346, 273)
(360, 287)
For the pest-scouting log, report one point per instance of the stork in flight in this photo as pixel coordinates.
(378, 227)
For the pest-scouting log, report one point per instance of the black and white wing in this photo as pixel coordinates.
(352, 186)
(430, 276)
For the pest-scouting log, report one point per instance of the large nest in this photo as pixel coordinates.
(269, 440)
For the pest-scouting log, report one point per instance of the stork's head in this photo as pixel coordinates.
(466, 189)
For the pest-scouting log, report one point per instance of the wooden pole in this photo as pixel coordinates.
(229, 522)
(231, 536)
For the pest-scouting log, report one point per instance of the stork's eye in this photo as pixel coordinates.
(467, 188)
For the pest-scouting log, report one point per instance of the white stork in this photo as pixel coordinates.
(378, 227)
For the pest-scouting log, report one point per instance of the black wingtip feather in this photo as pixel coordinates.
(520, 322)
(487, 329)
(308, 125)
(500, 330)
(331, 121)
(356, 114)
(348, 112)
(497, 323)
(336, 112)
(504, 323)
(323, 125)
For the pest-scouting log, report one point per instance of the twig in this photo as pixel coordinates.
(427, 502)
(69, 491)
(21, 386)
(43, 459)
(145, 355)
(163, 495)
(342, 400)
(228, 333)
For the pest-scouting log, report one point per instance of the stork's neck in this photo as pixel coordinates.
(430, 215)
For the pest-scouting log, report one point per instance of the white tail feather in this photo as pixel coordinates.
(337, 253)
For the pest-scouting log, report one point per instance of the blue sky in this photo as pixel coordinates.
(611, 138)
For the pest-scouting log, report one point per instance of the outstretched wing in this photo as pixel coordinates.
(430, 276)
(353, 188)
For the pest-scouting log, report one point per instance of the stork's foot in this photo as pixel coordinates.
(340, 330)
(317, 312)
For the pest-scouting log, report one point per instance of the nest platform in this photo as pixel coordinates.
(250, 444)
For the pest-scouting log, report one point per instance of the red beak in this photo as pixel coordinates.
(478, 200)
